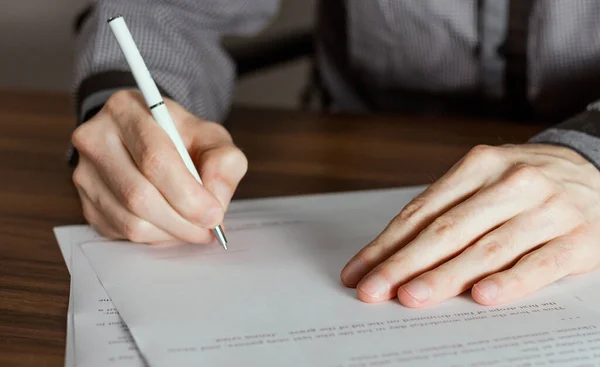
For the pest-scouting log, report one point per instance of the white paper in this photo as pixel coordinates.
(102, 337)
(63, 237)
(91, 347)
(275, 299)
(68, 237)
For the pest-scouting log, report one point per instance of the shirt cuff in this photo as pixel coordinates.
(580, 133)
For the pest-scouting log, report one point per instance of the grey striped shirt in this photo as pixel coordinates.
(433, 46)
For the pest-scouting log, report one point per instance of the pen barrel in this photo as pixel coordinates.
(154, 100)
(136, 62)
(163, 117)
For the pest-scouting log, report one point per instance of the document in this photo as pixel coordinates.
(275, 299)
(105, 340)
(242, 216)
(102, 337)
(63, 237)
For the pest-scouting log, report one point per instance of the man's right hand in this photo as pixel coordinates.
(134, 185)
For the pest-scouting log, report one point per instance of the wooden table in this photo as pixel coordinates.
(289, 153)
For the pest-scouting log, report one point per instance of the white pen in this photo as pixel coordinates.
(154, 100)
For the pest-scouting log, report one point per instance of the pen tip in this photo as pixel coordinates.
(221, 237)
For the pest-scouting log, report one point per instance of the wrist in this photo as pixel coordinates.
(581, 134)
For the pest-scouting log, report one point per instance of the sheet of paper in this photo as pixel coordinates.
(584, 288)
(275, 299)
(93, 346)
(68, 237)
(63, 237)
(102, 336)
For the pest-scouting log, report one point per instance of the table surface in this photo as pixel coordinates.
(289, 152)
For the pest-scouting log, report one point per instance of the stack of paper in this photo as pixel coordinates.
(275, 299)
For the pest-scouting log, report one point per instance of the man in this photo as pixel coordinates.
(504, 221)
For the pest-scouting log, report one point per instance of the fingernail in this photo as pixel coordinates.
(222, 192)
(375, 286)
(212, 218)
(419, 290)
(353, 272)
(488, 289)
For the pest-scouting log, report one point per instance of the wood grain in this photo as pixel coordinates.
(289, 153)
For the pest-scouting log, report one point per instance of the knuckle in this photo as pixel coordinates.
(443, 226)
(413, 211)
(490, 251)
(483, 153)
(81, 138)
(135, 229)
(121, 104)
(551, 263)
(524, 175)
(94, 142)
(563, 258)
(135, 198)
(544, 263)
(152, 162)
(118, 100)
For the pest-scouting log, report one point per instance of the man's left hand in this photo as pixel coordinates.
(503, 222)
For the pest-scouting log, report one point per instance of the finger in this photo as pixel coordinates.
(141, 198)
(521, 190)
(222, 168)
(494, 252)
(557, 259)
(158, 160)
(96, 219)
(124, 222)
(467, 177)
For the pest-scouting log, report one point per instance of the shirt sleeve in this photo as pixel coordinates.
(580, 133)
(180, 41)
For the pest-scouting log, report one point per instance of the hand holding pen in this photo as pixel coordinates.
(135, 181)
